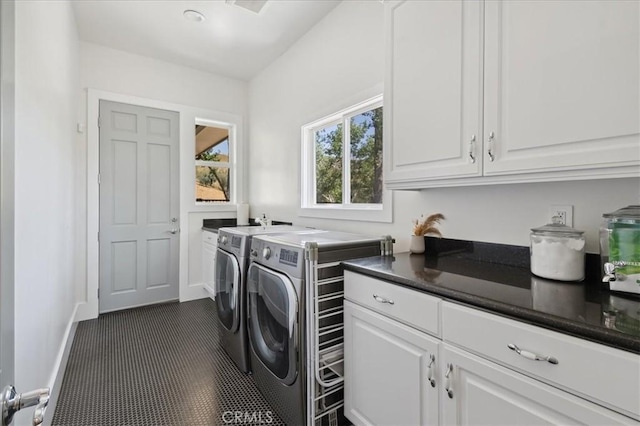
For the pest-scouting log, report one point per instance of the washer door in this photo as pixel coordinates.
(228, 290)
(273, 321)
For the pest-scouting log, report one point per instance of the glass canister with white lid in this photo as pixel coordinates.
(557, 252)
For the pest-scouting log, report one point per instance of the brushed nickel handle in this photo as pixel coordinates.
(447, 382)
(383, 300)
(532, 356)
(472, 148)
(432, 360)
(490, 146)
(174, 230)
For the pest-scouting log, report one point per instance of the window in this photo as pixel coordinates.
(342, 163)
(213, 166)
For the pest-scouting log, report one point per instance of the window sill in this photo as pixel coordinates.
(370, 214)
(214, 207)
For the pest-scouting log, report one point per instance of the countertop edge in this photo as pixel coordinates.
(603, 336)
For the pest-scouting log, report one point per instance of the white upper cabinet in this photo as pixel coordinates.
(550, 89)
(562, 86)
(433, 102)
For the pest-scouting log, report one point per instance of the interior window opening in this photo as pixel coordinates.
(212, 172)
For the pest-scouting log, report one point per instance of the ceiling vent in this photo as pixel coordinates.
(254, 6)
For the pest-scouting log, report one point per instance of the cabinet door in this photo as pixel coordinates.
(483, 393)
(388, 371)
(562, 88)
(433, 99)
(209, 268)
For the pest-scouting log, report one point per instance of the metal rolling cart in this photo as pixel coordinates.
(325, 330)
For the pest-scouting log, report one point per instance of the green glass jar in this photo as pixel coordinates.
(620, 244)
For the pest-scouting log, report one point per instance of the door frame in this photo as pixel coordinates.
(188, 117)
(7, 190)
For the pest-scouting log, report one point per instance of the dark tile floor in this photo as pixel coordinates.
(156, 365)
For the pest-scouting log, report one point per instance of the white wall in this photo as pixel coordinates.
(47, 83)
(342, 57)
(150, 82)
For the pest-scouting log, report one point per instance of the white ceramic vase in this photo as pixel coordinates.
(416, 244)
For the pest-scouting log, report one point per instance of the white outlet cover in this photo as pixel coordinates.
(567, 209)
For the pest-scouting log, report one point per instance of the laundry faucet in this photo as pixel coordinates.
(263, 221)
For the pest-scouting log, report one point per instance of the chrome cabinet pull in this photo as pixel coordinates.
(432, 360)
(532, 356)
(383, 300)
(472, 148)
(490, 146)
(447, 382)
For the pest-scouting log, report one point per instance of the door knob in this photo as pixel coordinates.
(12, 402)
(174, 230)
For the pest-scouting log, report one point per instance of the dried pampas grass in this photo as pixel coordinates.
(428, 225)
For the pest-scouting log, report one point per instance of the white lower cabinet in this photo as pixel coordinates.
(389, 371)
(209, 250)
(480, 392)
(406, 366)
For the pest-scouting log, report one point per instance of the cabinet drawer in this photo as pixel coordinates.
(605, 375)
(210, 237)
(412, 307)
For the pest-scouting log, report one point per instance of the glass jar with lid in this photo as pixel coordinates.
(557, 252)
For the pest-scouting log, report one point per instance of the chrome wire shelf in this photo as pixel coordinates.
(325, 342)
(325, 335)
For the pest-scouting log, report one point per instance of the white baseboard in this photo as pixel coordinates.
(60, 366)
(86, 311)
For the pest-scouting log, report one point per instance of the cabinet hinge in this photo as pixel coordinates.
(98, 236)
(98, 122)
(98, 293)
(98, 178)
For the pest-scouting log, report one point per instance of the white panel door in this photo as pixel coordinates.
(388, 370)
(479, 392)
(139, 206)
(562, 86)
(433, 90)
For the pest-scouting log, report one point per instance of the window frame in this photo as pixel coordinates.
(230, 164)
(350, 211)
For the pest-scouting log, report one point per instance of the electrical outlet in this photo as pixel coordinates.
(564, 212)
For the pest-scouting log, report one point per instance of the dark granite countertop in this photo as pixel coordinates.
(212, 225)
(581, 309)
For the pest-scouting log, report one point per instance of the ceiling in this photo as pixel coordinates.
(231, 41)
